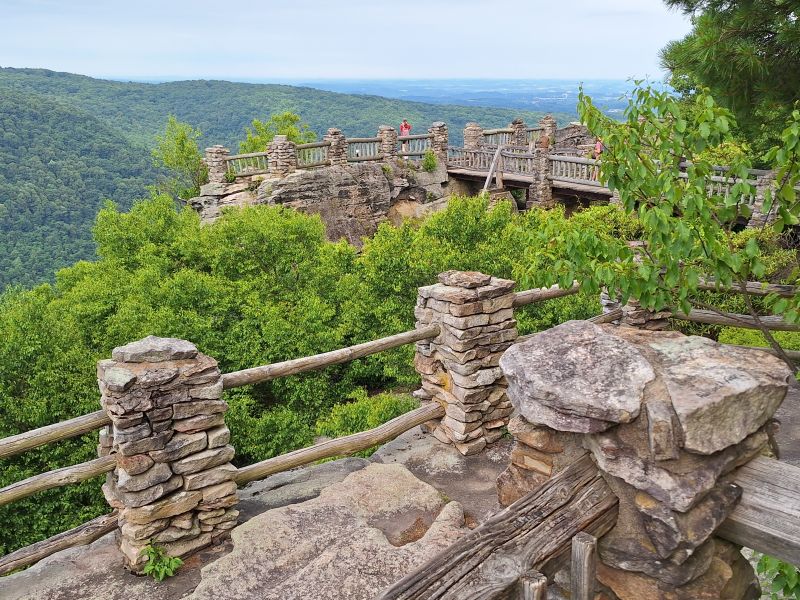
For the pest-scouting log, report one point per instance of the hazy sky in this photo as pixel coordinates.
(293, 39)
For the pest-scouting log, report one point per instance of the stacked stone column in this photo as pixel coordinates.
(549, 127)
(281, 156)
(388, 143)
(174, 483)
(759, 218)
(216, 163)
(473, 136)
(459, 368)
(519, 135)
(439, 142)
(337, 151)
(667, 419)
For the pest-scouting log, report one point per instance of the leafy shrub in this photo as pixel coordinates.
(387, 170)
(230, 176)
(363, 413)
(785, 577)
(159, 564)
(429, 161)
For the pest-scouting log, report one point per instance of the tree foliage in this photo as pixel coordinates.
(688, 228)
(260, 285)
(286, 123)
(176, 150)
(747, 54)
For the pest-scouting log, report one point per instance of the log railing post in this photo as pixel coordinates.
(216, 163)
(459, 368)
(281, 156)
(173, 483)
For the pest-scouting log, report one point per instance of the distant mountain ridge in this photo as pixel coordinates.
(69, 142)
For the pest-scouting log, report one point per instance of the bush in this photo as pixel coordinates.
(363, 413)
(429, 161)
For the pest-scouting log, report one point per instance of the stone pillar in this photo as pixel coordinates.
(459, 368)
(541, 190)
(388, 143)
(667, 419)
(216, 163)
(758, 218)
(337, 152)
(282, 156)
(439, 142)
(642, 318)
(519, 135)
(549, 126)
(473, 136)
(174, 483)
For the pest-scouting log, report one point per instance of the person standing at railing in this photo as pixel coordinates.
(405, 129)
(599, 148)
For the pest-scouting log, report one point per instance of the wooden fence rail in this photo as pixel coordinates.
(52, 433)
(56, 478)
(335, 357)
(81, 535)
(340, 446)
(710, 317)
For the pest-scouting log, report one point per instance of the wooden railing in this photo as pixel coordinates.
(497, 137)
(332, 448)
(313, 155)
(518, 161)
(359, 149)
(570, 169)
(254, 163)
(471, 159)
(532, 135)
(414, 145)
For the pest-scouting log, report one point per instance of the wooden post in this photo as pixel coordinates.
(584, 566)
(532, 586)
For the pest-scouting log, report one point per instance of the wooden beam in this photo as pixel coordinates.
(767, 517)
(532, 586)
(341, 446)
(538, 295)
(80, 536)
(52, 433)
(318, 361)
(709, 317)
(584, 566)
(527, 535)
(754, 288)
(57, 478)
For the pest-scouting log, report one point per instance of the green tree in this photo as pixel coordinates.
(747, 54)
(285, 123)
(687, 233)
(178, 152)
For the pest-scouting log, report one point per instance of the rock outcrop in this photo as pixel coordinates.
(357, 537)
(352, 198)
(667, 418)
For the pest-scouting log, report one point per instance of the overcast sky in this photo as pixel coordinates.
(295, 39)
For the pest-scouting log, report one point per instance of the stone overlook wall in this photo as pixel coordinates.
(667, 419)
(173, 483)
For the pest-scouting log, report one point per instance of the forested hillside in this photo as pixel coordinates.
(69, 142)
(57, 166)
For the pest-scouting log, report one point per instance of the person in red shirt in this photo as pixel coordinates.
(405, 129)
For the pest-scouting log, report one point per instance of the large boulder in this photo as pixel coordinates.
(358, 537)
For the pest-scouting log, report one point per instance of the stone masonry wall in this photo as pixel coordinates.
(667, 419)
(459, 368)
(173, 484)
